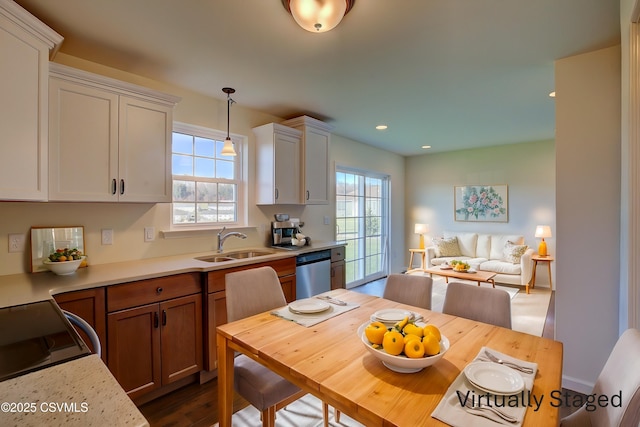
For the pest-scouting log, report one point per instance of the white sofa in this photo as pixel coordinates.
(485, 252)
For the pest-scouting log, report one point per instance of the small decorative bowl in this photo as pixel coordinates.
(63, 268)
(403, 364)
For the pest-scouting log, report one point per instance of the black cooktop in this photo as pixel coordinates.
(35, 336)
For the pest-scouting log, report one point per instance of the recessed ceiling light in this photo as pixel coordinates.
(381, 127)
(553, 94)
(426, 146)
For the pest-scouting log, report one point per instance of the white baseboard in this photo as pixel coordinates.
(577, 385)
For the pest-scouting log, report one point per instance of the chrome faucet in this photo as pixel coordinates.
(222, 238)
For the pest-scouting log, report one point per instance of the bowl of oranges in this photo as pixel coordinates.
(64, 261)
(406, 347)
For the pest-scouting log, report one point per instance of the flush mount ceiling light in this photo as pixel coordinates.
(227, 148)
(318, 16)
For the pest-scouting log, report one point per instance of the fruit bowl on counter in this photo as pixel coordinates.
(64, 261)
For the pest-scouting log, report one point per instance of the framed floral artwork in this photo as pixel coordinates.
(481, 203)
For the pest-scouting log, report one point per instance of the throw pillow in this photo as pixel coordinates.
(447, 247)
(512, 252)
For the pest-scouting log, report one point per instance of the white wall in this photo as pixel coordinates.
(128, 220)
(527, 168)
(588, 211)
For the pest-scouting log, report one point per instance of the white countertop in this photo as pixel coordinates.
(17, 289)
(81, 392)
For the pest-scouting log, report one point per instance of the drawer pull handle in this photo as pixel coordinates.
(164, 317)
(122, 186)
(114, 187)
(307, 194)
(159, 291)
(155, 320)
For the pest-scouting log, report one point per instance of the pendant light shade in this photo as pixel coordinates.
(318, 16)
(227, 148)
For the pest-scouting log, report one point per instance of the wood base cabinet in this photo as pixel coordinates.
(90, 305)
(217, 304)
(338, 272)
(153, 345)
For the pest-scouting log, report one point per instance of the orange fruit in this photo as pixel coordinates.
(393, 342)
(375, 332)
(411, 337)
(413, 330)
(433, 330)
(431, 345)
(414, 349)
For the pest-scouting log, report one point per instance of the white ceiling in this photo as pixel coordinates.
(452, 74)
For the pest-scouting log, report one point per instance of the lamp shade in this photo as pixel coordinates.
(421, 228)
(318, 16)
(543, 231)
(227, 148)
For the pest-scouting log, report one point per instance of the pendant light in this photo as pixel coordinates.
(318, 16)
(227, 149)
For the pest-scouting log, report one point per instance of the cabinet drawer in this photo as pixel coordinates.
(337, 254)
(283, 267)
(142, 292)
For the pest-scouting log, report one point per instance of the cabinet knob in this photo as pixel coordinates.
(159, 290)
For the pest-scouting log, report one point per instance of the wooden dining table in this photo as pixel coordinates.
(329, 361)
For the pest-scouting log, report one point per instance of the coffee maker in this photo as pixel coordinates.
(282, 232)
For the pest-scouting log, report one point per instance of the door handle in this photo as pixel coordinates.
(164, 317)
(122, 186)
(307, 194)
(114, 186)
(155, 319)
(276, 194)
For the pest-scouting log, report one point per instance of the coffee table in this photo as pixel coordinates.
(478, 276)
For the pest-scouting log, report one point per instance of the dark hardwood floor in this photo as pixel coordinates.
(197, 404)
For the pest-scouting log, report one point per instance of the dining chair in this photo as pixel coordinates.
(409, 289)
(250, 292)
(619, 377)
(473, 302)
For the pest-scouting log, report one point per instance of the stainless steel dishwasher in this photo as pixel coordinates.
(313, 273)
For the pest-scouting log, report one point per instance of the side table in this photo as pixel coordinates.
(422, 253)
(543, 259)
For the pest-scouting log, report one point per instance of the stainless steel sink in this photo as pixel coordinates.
(231, 256)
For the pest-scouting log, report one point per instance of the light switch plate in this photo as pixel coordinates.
(17, 242)
(107, 236)
(149, 234)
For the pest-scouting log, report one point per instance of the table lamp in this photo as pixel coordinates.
(421, 229)
(543, 231)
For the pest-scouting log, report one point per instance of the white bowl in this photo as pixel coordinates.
(63, 268)
(403, 364)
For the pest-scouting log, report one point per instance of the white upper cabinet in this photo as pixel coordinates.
(109, 140)
(314, 151)
(25, 47)
(277, 165)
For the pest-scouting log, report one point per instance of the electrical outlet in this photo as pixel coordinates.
(149, 234)
(16, 242)
(107, 236)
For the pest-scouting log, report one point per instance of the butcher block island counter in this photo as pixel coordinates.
(160, 298)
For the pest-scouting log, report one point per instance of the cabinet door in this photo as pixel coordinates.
(90, 305)
(181, 337)
(288, 284)
(144, 151)
(216, 316)
(287, 169)
(337, 275)
(23, 83)
(133, 342)
(316, 166)
(83, 153)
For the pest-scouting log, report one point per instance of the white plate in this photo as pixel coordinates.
(309, 305)
(390, 315)
(494, 378)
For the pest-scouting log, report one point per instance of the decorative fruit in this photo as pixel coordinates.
(393, 342)
(401, 324)
(431, 345)
(414, 349)
(413, 329)
(432, 329)
(62, 255)
(375, 332)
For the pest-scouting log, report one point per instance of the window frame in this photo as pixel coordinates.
(240, 179)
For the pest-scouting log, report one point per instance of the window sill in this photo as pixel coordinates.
(198, 232)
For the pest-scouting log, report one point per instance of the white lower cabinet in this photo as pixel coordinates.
(108, 140)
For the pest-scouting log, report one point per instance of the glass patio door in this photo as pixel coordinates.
(362, 221)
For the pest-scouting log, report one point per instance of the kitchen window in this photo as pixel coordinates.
(208, 187)
(362, 220)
